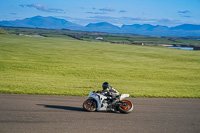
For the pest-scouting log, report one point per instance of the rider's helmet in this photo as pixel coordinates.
(105, 86)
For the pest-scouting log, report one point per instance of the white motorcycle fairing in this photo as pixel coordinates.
(103, 106)
(99, 98)
(123, 96)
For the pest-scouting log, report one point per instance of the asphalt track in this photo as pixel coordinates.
(64, 114)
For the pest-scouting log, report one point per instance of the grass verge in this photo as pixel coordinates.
(56, 66)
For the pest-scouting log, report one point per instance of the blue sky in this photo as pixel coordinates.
(117, 12)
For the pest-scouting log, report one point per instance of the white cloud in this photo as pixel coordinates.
(107, 9)
(96, 12)
(44, 8)
(119, 21)
(122, 11)
(184, 12)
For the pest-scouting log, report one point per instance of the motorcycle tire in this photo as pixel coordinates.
(90, 105)
(125, 107)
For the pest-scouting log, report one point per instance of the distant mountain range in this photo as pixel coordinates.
(42, 22)
(145, 29)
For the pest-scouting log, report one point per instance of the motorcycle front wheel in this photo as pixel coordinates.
(90, 105)
(125, 106)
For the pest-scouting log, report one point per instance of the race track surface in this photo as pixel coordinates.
(64, 114)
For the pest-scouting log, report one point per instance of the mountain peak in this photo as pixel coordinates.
(186, 27)
(103, 27)
(100, 24)
(38, 16)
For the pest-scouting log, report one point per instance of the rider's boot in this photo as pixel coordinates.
(114, 109)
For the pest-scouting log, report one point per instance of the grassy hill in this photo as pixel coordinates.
(33, 65)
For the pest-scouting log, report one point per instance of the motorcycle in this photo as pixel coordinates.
(103, 102)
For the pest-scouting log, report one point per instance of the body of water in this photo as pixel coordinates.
(184, 48)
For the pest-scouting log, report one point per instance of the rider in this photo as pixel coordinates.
(110, 91)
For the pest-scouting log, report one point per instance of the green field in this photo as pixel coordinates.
(61, 66)
(131, 39)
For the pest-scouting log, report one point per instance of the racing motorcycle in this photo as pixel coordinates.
(103, 102)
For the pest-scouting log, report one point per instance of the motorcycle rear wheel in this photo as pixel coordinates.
(90, 105)
(125, 107)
